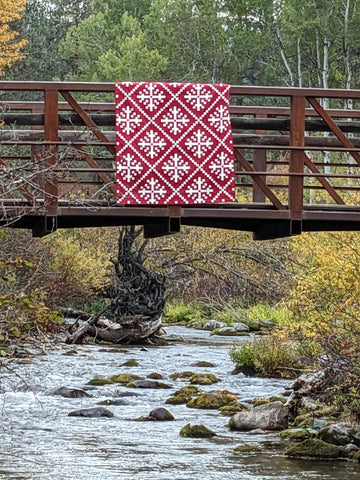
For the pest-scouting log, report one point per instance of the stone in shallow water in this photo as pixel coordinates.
(271, 416)
(196, 431)
(70, 392)
(161, 414)
(147, 384)
(91, 412)
(204, 379)
(212, 400)
(313, 447)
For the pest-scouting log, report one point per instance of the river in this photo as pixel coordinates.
(39, 441)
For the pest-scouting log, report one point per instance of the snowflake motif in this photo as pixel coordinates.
(222, 166)
(199, 190)
(198, 97)
(128, 120)
(153, 191)
(152, 144)
(175, 120)
(176, 168)
(199, 143)
(128, 167)
(151, 97)
(220, 119)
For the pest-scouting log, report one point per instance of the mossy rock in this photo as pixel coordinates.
(178, 399)
(304, 421)
(212, 400)
(98, 382)
(296, 434)
(189, 390)
(143, 383)
(315, 448)
(177, 375)
(196, 431)
(263, 401)
(230, 410)
(203, 364)
(204, 379)
(131, 363)
(155, 376)
(244, 448)
(125, 378)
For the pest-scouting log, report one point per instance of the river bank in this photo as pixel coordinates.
(40, 441)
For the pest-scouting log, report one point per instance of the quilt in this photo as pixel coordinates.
(173, 144)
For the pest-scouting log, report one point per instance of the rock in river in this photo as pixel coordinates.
(91, 412)
(70, 392)
(271, 416)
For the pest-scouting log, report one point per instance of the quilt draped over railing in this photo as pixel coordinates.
(173, 144)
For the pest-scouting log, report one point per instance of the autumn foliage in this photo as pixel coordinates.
(10, 45)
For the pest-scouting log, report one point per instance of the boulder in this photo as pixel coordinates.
(70, 392)
(161, 414)
(271, 416)
(212, 324)
(203, 364)
(337, 434)
(203, 379)
(196, 431)
(241, 327)
(125, 378)
(99, 382)
(213, 400)
(313, 447)
(91, 412)
(225, 332)
(147, 384)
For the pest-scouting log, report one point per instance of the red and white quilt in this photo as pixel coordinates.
(173, 144)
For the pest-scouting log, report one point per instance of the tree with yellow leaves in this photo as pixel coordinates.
(10, 48)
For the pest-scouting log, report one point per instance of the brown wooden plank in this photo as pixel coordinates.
(93, 164)
(87, 120)
(271, 196)
(334, 128)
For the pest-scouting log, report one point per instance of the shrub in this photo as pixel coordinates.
(183, 313)
(267, 357)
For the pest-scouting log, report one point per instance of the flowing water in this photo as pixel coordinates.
(39, 441)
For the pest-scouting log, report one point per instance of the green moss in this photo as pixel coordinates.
(125, 378)
(196, 431)
(296, 434)
(189, 390)
(212, 400)
(185, 374)
(204, 379)
(246, 448)
(155, 376)
(98, 382)
(203, 364)
(230, 410)
(178, 399)
(313, 447)
(131, 363)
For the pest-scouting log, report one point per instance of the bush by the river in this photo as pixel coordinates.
(267, 357)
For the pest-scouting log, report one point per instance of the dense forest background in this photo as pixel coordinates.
(310, 284)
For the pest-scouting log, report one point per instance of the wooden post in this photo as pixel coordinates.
(259, 164)
(51, 134)
(297, 139)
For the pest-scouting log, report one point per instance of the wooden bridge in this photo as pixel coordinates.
(297, 159)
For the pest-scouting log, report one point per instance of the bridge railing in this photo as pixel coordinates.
(295, 149)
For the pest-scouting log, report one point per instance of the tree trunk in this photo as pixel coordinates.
(137, 298)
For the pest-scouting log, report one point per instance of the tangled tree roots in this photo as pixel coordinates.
(137, 298)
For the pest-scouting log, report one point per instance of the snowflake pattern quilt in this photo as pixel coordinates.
(173, 144)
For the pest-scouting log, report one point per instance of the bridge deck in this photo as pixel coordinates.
(296, 163)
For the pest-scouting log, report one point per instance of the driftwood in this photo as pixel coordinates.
(136, 299)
